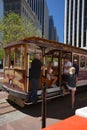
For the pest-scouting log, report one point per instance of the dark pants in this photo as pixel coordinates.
(65, 78)
(35, 86)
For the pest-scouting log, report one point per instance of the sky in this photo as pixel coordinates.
(56, 9)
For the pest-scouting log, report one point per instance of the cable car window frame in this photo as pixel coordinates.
(82, 62)
(6, 59)
(21, 56)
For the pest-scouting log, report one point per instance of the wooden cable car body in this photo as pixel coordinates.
(18, 60)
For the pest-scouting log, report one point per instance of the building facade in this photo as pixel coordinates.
(52, 30)
(41, 10)
(36, 11)
(22, 8)
(55, 34)
(75, 24)
(1, 13)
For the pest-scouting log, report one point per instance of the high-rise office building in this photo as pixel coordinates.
(22, 8)
(55, 34)
(1, 13)
(75, 24)
(52, 30)
(41, 10)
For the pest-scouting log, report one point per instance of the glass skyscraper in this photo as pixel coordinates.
(41, 10)
(75, 24)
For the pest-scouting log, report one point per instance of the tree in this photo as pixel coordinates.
(1, 53)
(13, 27)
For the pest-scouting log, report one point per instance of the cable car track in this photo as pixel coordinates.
(5, 108)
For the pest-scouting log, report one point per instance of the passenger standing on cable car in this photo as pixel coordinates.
(51, 75)
(71, 84)
(36, 67)
(66, 66)
(75, 64)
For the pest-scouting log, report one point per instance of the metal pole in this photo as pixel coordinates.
(44, 106)
(43, 21)
(44, 86)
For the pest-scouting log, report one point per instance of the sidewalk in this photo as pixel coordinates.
(3, 95)
(21, 121)
(18, 120)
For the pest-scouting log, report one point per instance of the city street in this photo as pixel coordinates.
(43, 56)
(29, 118)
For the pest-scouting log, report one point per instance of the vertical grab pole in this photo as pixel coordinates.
(28, 57)
(44, 94)
(44, 106)
(60, 69)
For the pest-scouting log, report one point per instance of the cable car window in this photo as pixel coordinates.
(23, 56)
(76, 58)
(12, 58)
(18, 55)
(86, 63)
(82, 61)
(6, 57)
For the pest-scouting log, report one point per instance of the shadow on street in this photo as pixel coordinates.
(59, 108)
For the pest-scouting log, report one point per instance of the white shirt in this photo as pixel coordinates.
(68, 64)
(50, 71)
(48, 74)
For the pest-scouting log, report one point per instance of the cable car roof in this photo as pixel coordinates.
(47, 44)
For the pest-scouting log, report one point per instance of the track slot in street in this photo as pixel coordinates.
(5, 108)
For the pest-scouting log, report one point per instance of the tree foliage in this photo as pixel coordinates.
(1, 53)
(13, 28)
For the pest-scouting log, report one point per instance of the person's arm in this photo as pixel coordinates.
(44, 68)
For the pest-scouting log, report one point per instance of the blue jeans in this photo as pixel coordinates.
(35, 85)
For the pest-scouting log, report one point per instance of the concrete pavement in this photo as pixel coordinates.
(18, 120)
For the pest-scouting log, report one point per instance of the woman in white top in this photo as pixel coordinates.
(66, 67)
(51, 75)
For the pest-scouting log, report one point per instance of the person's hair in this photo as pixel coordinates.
(67, 57)
(72, 70)
(36, 55)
